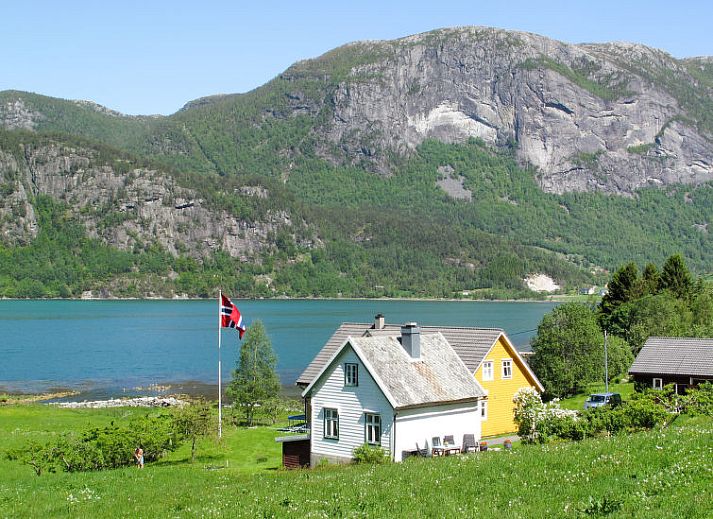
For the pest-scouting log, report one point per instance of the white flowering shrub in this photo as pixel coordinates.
(537, 420)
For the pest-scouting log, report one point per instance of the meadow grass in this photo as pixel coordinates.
(660, 473)
(576, 402)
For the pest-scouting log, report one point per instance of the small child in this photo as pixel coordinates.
(139, 455)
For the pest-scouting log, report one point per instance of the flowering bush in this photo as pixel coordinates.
(538, 421)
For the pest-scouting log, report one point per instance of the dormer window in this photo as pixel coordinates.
(351, 374)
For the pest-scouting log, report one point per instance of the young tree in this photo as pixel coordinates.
(676, 277)
(192, 421)
(568, 350)
(255, 381)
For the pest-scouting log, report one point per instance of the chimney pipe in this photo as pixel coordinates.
(379, 322)
(411, 339)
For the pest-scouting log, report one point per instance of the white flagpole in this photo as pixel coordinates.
(220, 397)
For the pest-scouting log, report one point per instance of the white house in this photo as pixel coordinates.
(395, 391)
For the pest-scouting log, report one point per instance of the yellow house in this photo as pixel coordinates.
(502, 372)
(486, 352)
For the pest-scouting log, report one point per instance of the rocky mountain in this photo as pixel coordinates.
(123, 205)
(608, 117)
(612, 117)
(510, 136)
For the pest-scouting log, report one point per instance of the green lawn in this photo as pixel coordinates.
(655, 474)
(577, 402)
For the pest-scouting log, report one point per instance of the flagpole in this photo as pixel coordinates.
(220, 397)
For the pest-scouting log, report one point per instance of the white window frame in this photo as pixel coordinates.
(331, 423)
(372, 428)
(487, 370)
(351, 374)
(659, 385)
(509, 368)
(483, 410)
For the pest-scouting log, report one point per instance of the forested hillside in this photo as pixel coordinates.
(313, 185)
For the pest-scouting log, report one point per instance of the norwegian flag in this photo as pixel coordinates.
(230, 316)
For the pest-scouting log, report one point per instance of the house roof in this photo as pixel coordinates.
(471, 344)
(675, 356)
(439, 376)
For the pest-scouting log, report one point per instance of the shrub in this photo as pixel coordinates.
(370, 454)
(100, 448)
(35, 455)
(641, 413)
(699, 400)
(538, 422)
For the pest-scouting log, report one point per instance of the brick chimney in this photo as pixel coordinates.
(411, 339)
(379, 322)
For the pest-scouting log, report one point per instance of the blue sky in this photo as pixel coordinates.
(145, 57)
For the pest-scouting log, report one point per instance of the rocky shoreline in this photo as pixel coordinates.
(143, 401)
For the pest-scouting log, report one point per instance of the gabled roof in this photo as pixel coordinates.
(439, 376)
(675, 356)
(471, 344)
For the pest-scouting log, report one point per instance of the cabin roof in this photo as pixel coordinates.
(675, 356)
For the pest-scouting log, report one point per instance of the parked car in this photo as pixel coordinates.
(601, 399)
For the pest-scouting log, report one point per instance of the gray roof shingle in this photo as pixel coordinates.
(675, 356)
(471, 344)
(438, 376)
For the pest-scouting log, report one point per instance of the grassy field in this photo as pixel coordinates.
(577, 402)
(664, 473)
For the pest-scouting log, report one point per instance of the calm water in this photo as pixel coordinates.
(107, 348)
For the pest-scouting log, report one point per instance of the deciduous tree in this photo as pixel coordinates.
(193, 421)
(568, 350)
(255, 381)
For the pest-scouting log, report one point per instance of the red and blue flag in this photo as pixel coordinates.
(230, 316)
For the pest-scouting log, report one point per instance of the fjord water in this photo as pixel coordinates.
(109, 348)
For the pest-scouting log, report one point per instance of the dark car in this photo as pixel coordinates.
(601, 399)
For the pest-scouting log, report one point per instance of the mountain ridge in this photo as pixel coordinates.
(512, 144)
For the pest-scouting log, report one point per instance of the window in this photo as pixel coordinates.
(351, 374)
(507, 368)
(488, 370)
(331, 423)
(372, 428)
(658, 383)
(484, 409)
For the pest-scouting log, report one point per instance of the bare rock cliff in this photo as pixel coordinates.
(588, 117)
(122, 205)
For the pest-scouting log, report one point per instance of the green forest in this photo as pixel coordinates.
(353, 232)
(397, 236)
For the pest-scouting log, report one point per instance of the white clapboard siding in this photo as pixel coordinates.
(418, 426)
(352, 403)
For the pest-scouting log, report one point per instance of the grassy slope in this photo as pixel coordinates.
(654, 474)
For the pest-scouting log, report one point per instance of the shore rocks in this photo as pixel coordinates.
(144, 401)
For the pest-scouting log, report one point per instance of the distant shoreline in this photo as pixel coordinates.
(560, 298)
(61, 394)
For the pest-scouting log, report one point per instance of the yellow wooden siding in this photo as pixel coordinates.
(500, 419)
